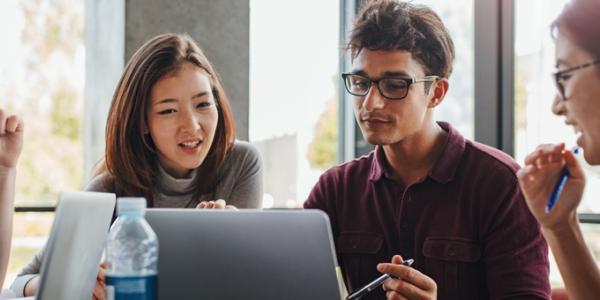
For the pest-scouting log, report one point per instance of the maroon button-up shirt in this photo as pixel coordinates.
(466, 224)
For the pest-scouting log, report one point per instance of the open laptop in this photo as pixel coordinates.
(247, 254)
(74, 249)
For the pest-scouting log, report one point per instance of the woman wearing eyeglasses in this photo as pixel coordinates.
(578, 81)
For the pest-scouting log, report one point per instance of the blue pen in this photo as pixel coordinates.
(560, 184)
(374, 284)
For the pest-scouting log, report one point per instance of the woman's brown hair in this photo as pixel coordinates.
(130, 158)
(580, 21)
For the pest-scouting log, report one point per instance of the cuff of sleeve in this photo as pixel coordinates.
(18, 286)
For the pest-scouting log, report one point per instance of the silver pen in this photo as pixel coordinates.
(375, 283)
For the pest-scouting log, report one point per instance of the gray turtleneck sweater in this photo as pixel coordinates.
(240, 186)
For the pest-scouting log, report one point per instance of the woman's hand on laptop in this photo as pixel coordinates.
(100, 283)
(406, 282)
(11, 139)
(217, 204)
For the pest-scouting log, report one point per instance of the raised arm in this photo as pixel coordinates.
(11, 143)
(560, 227)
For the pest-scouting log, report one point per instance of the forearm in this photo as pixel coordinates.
(7, 194)
(575, 262)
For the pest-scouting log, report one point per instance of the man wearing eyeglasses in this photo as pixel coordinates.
(425, 192)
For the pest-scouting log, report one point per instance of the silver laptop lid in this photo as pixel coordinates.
(248, 254)
(74, 249)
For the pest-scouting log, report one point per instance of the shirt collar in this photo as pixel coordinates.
(444, 168)
(378, 165)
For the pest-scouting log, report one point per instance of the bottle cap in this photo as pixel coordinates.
(131, 205)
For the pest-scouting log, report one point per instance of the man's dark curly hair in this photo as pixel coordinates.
(391, 25)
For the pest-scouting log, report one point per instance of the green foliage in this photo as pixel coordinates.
(66, 122)
(520, 101)
(322, 151)
(19, 257)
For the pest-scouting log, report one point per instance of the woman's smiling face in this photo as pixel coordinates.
(581, 87)
(182, 119)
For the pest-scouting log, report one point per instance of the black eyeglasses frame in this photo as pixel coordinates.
(408, 81)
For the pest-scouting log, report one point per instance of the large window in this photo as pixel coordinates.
(41, 79)
(457, 108)
(294, 54)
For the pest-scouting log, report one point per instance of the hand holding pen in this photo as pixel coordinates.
(406, 282)
(375, 283)
(552, 182)
(559, 185)
(399, 279)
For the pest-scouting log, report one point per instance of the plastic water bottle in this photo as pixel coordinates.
(131, 254)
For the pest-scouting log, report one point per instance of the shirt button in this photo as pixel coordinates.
(451, 252)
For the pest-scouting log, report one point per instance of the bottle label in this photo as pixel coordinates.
(131, 287)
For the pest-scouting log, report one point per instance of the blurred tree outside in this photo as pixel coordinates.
(41, 79)
(44, 84)
(520, 100)
(322, 151)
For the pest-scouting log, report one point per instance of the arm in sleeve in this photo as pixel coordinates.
(318, 195)
(515, 253)
(323, 197)
(101, 183)
(247, 191)
(30, 271)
